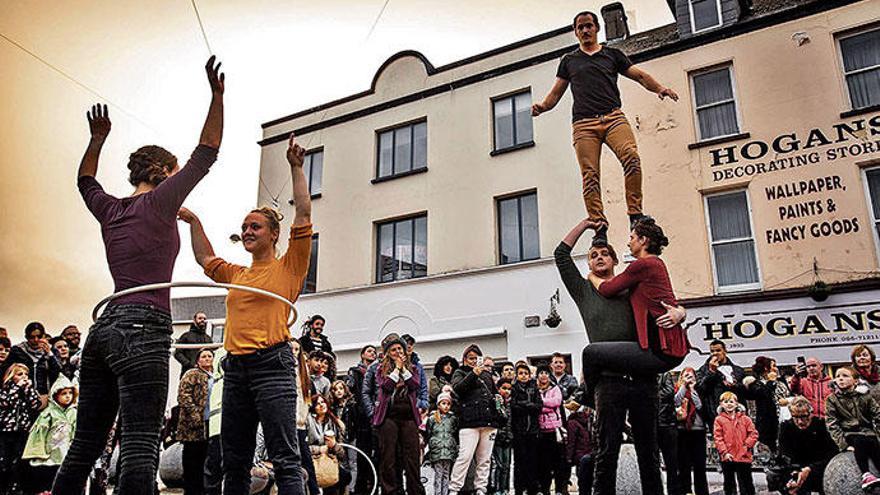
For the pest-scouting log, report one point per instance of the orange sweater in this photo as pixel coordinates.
(253, 321)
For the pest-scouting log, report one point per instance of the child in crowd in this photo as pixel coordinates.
(19, 403)
(853, 419)
(318, 365)
(525, 405)
(580, 447)
(499, 470)
(735, 437)
(442, 432)
(50, 437)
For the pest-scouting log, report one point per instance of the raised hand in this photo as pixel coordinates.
(215, 78)
(667, 92)
(538, 109)
(186, 216)
(295, 153)
(99, 122)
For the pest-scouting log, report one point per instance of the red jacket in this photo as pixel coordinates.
(735, 435)
(648, 282)
(816, 391)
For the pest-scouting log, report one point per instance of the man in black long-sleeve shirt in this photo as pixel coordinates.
(805, 441)
(607, 320)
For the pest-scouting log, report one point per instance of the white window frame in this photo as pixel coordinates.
(843, 73)
(870, 204)
(717, 67)
(693, 22)
(740, 287)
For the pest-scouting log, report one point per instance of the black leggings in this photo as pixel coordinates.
(625, 357)
(866, 448)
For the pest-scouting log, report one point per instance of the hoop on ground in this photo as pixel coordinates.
(211, 285)
(369, 461)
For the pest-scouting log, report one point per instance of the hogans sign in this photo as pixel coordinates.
(787, 328)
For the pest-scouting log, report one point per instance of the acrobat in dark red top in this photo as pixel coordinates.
(648, 282)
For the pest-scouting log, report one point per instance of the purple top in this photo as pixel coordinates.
(387, 386)
(140, 232)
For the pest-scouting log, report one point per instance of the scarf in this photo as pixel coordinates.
(690, 413)
(872, 376)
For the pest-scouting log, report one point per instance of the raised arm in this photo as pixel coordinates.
(552, 98)
(649, 83)
(212, 132)
(202, 248)
(99, 127)
(302, 200)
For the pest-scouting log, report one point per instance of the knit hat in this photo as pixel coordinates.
(471, 348)
(390, 340)
(444, 396)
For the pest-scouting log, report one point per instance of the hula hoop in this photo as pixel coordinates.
(210, 285)
(370, 462)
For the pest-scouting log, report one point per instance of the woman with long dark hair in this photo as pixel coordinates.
(326, 432)
(397, 419)
(441, 380)
(691, 434)
(260, 367)
(124, 366)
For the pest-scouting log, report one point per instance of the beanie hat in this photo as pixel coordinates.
(390, 340)
(444, 396)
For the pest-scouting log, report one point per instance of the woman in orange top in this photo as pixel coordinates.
(260, 369)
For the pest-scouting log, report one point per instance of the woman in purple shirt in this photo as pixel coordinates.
(125, 357)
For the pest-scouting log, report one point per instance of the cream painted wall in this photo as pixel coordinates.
(780, 88)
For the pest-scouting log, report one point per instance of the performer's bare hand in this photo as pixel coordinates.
(186, 216)
(295, 153)
(673, 316)
(538, 109)
(591, 224)
(216, 79)
(667, 92)
(99, 122)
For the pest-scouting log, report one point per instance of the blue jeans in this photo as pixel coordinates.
(125, 370)
(260, 387)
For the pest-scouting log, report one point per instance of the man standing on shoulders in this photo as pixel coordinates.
(718, 375)
(197, 334)
(592, 71)
(812, 382)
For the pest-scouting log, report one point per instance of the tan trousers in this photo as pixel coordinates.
(612, 129)
(473, 444)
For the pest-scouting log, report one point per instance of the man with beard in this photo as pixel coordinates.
(73, 337)
(197, 334)
(606, 320)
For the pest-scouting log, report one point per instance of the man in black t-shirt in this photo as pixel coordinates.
(592, 71)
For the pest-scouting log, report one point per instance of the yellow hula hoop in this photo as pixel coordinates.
(211, 285)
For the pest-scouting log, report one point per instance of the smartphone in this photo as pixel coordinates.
(802, 362)
(479, 360)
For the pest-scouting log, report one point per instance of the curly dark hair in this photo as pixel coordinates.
(649, 229)
(441, 363)
(150, 164)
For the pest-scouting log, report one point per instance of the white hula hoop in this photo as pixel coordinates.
(370, 462)
(210, 285)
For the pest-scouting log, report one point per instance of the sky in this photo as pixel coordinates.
(145, 60)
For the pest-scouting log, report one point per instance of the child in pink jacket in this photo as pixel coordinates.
(735, 437)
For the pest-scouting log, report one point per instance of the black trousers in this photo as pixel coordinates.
(551, 464)
(524, 464)
(737, 473)
(364, 441)
(194, 454)
(585, 470)
(866, 448)
(124, 369)
(260, 388)
(614, 398)
(213, 473)
(667, 439)
(692, 461)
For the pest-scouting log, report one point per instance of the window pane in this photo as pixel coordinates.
(705, 14)
(403, 149)
(385, 258)
(736, 264)
(508, 217)
(403, 250)
(729, 216)
(873, 177)
(719, 120)
(311, 282)
(861, 50)
(307, 170)
(386, 154)
(864, 88)
(529, 213)
(711, 87)
(420, 152)
(317, 172)
(503, 123)
(523, 106)
(421, 254)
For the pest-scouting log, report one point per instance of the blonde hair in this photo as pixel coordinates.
(11, 371)
(273, 216)
(727, 396)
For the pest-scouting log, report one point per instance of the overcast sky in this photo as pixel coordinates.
(146, 59)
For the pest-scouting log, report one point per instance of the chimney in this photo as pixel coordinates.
(615, 22)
